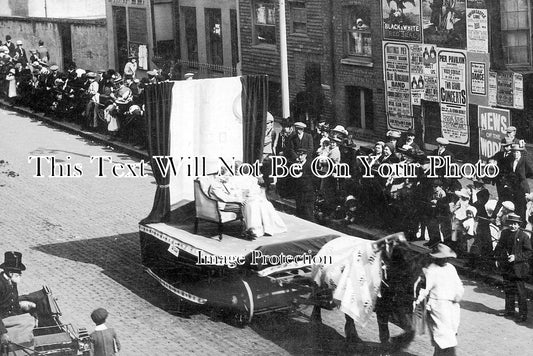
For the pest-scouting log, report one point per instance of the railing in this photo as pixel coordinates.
(205, 70)
(128, 2)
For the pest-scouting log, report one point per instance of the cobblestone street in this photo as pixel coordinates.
(79, 236)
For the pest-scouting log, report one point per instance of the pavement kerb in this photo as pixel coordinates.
(280, 204)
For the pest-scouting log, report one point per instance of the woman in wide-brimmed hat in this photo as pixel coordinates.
(443, 291)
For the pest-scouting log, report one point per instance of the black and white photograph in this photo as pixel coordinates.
(266, 177)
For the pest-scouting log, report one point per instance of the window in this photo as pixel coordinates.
(360, 108)
(191, 36)
(264, 22)
(298, 17)
(213, 36)
(358, 36)
(515, 31)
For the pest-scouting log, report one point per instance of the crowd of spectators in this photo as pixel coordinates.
(466, 218)
(103, 100)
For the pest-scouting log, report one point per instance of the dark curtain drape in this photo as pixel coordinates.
(254, 110)
(158, 103)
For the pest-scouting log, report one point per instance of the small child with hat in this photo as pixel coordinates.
(104, 340)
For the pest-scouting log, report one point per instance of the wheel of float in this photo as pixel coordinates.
(246, 312)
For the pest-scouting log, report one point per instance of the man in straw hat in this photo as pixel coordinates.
(443, 292)
(512, 254)
(15, 325)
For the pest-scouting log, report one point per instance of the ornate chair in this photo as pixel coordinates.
(210, 209)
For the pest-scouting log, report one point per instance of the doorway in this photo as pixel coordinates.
(66, 44)
(121, 36)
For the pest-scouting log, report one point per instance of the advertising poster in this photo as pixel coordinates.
(444, 23)
(452, 77)
(417, 73)
(492, 125)
(430, 72)
(397, 79)
(478, 78)
(477, 27)
(518, 91)
(493, 88)
(402, 123)
(401, 20)
(454, 123)
(504, 94)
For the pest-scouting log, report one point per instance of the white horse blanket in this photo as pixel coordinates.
(354, 275)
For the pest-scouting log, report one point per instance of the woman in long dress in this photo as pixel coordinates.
(443, 291)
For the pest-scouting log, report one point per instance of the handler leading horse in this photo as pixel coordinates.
(401, 268)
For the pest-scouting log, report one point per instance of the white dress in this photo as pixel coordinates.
(258, 213)
(445, 290)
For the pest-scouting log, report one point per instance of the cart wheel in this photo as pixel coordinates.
(249, 307)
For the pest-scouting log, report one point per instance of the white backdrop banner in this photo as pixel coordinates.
(205, 124)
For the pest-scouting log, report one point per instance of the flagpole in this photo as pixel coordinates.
(283, 59)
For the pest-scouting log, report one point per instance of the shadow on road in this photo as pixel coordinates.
(300, 337)
(119, 257)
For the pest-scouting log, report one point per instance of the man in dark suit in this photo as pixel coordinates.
(512, 254)
(10, 45)
(20, 54)
(519, 170)
(15, 325)
(503, 159)
(299, 140)
(450, 184)
(305, 188)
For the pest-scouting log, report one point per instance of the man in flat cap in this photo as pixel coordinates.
(512, 253)
(15, 325)
(305, 187)
(300, 139)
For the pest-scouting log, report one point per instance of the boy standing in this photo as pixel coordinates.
(104, 340)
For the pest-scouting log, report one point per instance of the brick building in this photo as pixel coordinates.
(337, 65)
(334, 64)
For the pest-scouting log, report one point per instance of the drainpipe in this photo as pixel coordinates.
(239, 60)
(283, 59)
(333, 91)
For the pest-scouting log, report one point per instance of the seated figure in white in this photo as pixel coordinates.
(259, 214)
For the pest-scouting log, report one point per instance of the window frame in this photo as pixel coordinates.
(526, 29)
(350, 13)
(297, 6)
(364, 119)
(255, 24)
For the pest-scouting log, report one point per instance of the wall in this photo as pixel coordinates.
(54, 8)
(89, 47)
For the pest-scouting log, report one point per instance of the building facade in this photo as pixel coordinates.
(73, 31)
(436, 66)
(334, 71)
(130, 32)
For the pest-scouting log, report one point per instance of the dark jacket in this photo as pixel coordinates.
(522, 172)
(9, 300)
(295, 143)
(518, 244)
